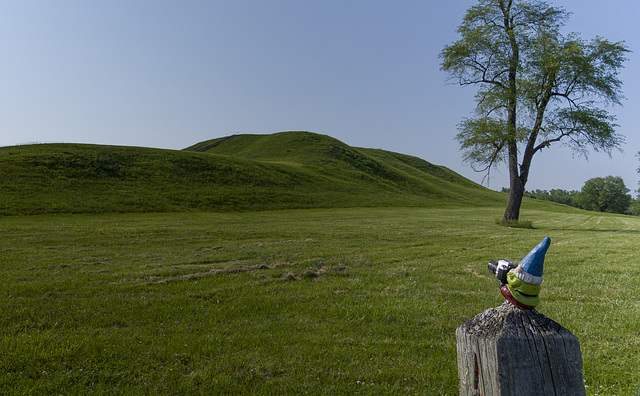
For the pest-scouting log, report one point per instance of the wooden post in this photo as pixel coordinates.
(511, 351)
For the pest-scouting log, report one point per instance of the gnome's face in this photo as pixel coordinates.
(525, 293)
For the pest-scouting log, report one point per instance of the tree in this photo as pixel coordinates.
(608, 194)
(537, 87)
(562, 196)
(634, 207)
(555, 195)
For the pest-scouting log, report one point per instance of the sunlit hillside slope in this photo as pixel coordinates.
(244, 172)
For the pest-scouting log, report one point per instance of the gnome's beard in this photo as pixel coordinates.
(507, 294)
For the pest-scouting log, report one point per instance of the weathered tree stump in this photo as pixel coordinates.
(512, 351)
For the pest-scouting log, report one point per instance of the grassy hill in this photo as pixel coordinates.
(244, 172)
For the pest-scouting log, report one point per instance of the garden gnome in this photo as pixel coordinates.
(520, 285)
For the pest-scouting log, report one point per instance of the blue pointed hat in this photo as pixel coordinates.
(530, 267)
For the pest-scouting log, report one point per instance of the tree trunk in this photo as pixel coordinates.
(516, 192)
(517, 180)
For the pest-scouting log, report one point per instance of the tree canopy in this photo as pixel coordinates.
(604, 194)
(536, 87)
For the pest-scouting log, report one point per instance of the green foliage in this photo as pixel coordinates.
(562, 196)
(342, 301)
(482, 142)
(556, 81)
(249, 172)
(556, 195)
(608, 194)
(634, 207)
(599, 194)
(536, 87)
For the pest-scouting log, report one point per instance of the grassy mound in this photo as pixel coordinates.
(246, 172)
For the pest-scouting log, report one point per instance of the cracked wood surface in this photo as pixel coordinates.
(511, 351)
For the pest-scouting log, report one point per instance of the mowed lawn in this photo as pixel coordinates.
(338, 301)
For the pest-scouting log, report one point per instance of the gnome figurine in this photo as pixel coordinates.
(520, 285)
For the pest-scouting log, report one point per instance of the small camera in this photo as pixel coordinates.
(500, 269)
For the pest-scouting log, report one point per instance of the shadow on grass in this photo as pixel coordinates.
(516, 223)
(609, 231)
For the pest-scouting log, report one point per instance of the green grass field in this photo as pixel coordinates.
(337, 301)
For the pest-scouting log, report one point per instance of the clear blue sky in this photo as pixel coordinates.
(168, 74)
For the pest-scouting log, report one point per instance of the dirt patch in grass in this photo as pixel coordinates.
(288, 275)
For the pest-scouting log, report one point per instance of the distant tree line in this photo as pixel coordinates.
(600, 194)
